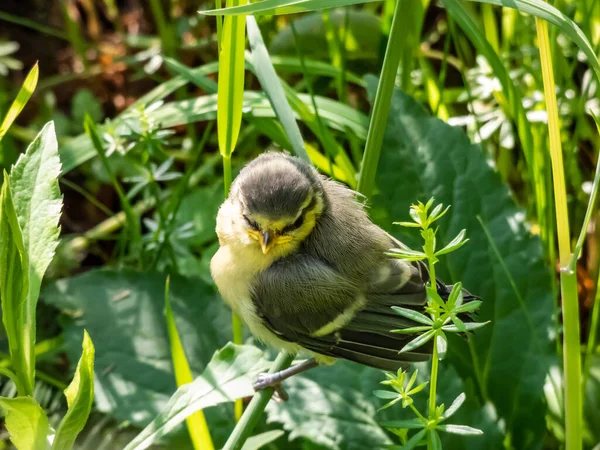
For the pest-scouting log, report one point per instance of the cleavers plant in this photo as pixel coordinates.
(443, 318)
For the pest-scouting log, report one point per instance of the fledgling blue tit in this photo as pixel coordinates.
(304, 267)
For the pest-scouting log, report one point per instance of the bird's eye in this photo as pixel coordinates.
(251, 223)
(294, 226)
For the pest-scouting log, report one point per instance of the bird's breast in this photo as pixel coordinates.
(234, 269)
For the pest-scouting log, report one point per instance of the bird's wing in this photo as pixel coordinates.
(304, 300)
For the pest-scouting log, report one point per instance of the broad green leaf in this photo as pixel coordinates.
(333, 414)
(196, 422)
(22, 98)
(133, 364)
(269, 81)
(37, 205)
(26, 423)
(227, 377)
(231, 80)
(13, 287)
(423, 157)
(262, 440)
(80, 398)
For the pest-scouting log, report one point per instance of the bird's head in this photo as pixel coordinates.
(274, 203)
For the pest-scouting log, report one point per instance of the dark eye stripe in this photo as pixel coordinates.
(251, 223)
(300, 220)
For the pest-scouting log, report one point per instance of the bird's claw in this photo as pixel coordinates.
(265, 380)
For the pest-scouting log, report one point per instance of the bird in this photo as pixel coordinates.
(302, 264)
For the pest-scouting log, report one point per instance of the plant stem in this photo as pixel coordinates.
(433, 380)
(257, 405)
(381, 107)
(568, 278)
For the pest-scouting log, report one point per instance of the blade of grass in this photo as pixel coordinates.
(265, 72)
(571, 345)
(381, 107)
(196, 422)
(229, 114)
(22, 98)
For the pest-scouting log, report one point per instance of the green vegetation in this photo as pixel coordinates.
(122, 126)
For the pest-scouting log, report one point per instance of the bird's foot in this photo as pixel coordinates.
(266, 380)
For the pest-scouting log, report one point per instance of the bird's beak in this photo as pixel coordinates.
(267, 240)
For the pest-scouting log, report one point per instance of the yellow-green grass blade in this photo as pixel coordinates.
(22, 98)
(265, 72)
(196, 423)
(231, 80)
(568, 278)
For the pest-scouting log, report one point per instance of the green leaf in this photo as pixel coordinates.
(133, 366)
(456, 296)
(80, 398)
(412, 315)
(269, 81)
(456, 404)
(13, 287)
(442, 344)
(37, 205)
(434, 439)
(262, 440)
(418, 341)
(414, 441)
(471, 306)
(346, 411)
(454, 244)
(231, 80)
(385, 395)
(412, 330)
(227, 377)
(460, 429)
(406, 254)
(423, 157)
(411, 424)
(22, 98)
(26, 423)
(469, 326)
